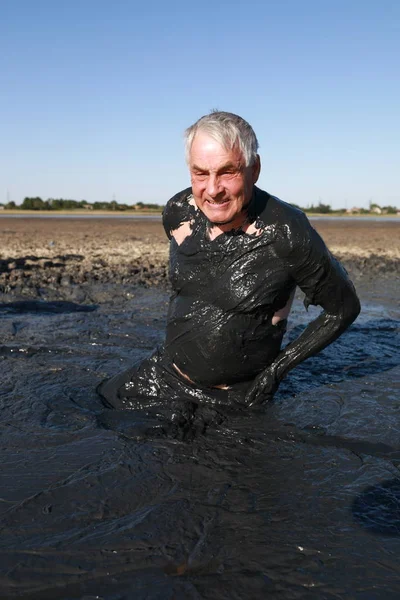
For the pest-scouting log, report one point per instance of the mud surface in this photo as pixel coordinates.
(300, 499)
(45, 257)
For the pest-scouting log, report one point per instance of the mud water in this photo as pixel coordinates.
(300, 499)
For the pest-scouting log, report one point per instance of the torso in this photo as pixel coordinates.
(231, 292)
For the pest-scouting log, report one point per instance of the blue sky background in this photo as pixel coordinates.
(95, 95)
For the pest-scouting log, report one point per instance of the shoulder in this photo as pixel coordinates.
(272, 210)
(178, 209)
(290, 226)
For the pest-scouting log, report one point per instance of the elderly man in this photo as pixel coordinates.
(236, 256)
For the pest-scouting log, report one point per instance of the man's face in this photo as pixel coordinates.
(221, 183)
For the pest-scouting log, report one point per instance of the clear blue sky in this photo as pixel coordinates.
(95, 95)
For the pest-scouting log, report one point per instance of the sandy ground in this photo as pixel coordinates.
(361, 239)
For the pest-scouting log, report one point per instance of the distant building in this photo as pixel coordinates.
(353, 211)
(377, 210)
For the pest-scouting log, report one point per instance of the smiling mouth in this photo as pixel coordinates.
(217, 202)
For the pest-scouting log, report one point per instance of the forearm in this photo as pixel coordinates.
(321, 332)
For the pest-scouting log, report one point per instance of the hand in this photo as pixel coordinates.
(263, 388)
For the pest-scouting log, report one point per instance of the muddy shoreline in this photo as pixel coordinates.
(45, 258)
(299, 500)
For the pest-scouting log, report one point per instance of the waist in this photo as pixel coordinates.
(221, 386)
(226, 393)
(217, 360)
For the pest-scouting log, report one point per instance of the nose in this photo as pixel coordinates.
(213, 185)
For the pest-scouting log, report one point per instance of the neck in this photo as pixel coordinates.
(217, 229)
(236, 223)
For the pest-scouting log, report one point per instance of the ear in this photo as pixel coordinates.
(256, 168)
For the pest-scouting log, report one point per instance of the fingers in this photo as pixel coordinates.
(256, 396)
(263, 388)
(260, 399)
(250, 397)
(260, 393)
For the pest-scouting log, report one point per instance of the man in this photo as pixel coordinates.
(236, 256)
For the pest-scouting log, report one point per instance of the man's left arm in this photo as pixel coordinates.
(325, 283)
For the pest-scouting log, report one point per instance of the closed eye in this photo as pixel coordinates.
(228, 172)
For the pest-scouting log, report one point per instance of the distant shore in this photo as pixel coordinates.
(136, 214)
(110, 213)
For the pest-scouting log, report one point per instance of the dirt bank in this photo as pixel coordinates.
(40, 257)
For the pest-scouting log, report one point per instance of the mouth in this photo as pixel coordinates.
(217, 202)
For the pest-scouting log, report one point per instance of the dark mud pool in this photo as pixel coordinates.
(300, 499)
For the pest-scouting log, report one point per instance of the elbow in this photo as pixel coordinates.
(357, 308)
(349, 311)
(352, 309)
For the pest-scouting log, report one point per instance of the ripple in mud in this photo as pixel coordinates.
(279, 502)
(377, 508)
(40, 306)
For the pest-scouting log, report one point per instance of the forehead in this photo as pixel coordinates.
(208, 152)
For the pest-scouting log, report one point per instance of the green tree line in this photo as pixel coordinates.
(54, 204)
(37, 203)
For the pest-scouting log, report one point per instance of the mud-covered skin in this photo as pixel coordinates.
(227, 290)
(153, 385)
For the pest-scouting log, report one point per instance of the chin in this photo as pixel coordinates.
(219, 217)
(223, 218)
(221, 221)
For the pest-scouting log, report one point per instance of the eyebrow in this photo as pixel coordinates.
(222, 168)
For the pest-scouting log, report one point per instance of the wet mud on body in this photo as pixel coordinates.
(300, 499)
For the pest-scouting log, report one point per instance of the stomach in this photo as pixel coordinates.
(215, 347)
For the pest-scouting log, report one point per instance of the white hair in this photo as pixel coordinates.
(227, 129)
